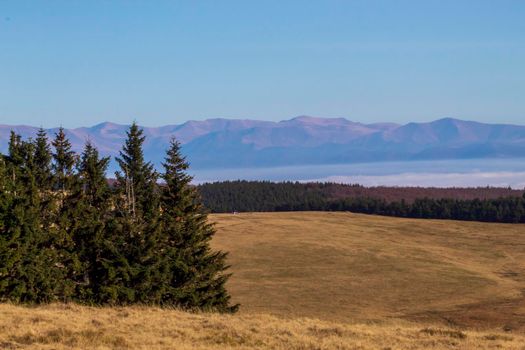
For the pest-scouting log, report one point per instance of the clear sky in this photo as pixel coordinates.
(76, 63)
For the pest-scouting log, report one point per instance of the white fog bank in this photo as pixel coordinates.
(439, 173)
(493, 179)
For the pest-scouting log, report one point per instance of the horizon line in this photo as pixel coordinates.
(260, 120)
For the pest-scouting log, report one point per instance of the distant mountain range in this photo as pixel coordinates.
(231, 143)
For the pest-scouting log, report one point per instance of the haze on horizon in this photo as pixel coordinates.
(165, 62)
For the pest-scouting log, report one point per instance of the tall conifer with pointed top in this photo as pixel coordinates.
(93, 211)
(136, 227)
(16, 238)
(64, 161)
(197, 274)
(28, 266)
(65, 184)
(8, 247)
(42, 159)
(136, 178)
(44, 177)
(15, 157)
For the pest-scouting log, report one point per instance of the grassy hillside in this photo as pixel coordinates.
(61, 327)
(348, 267)
(309, 280)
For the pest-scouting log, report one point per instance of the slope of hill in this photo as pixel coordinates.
(61, 327)
(350, 267)
(322, 281)
(226, 143)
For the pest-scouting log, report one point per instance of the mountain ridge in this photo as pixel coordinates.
(303, 140)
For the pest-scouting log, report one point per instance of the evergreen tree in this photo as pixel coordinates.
(137, 178)
(42, 159)
(65, 215)
(15, 157)
(28, 270)
(8, 256)
(44, 178)
(197, 274)
(64, 161)
(92, 203)
(136, 270)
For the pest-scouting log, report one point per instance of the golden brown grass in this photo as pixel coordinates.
(322, 281)
(350, 267)
(62, 327)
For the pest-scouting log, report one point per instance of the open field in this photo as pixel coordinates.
(322, 281)
(61, 327)
(349, 267)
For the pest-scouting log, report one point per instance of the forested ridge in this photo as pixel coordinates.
(67, 235)
(473, 204)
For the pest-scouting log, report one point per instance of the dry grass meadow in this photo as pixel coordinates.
(350, 267)
(61, 327)
(322, 281)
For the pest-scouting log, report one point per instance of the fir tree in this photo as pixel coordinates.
(15, 157)
(8, 247)
(44, 178)
(197, 274)
(64, 161)
(42, 159)
(136, 178)
(136, 228)
(92, 202)
(65, 184)
(28, 267)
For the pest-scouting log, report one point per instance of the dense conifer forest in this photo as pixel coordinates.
(67, 235)
(481, 204)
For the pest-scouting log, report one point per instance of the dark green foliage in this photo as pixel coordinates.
(65, 234)
(137, 179)
(90, 209)
(199, 279)
(230, 196)
(30, 269)
(137, 225)
(43, 157)
(64, 161)
(246, 196)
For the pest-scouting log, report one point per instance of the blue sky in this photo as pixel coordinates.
(76, 63)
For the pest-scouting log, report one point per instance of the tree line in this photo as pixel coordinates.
(231, 196)
(67, 235)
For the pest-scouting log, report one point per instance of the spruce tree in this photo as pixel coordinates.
(15, 239)
(197, 274)
(64, 161)
(92, 205)
(42, 159)
(65, 219)
(44, 178)
(15, 158)
(136, 178)
(28, 270)
(8, 256)
(136, 272)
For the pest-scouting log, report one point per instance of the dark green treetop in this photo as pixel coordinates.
(64, 161)
(42, 159)
(197, 278)
(136, 178)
